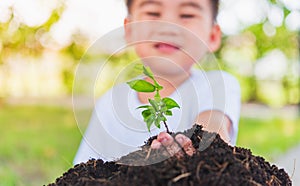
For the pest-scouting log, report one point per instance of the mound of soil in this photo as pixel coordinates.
(217, 164)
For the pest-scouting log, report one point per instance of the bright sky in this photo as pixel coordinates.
(98, 17)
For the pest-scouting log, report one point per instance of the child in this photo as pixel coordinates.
(169, 36)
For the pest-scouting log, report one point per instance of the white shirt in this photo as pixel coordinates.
(117, 128)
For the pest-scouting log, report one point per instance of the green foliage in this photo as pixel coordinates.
(273, 136)
(284, 40)
(37, 145)
(159, 108)
(25, 39)
(252, 44)
(68, 78)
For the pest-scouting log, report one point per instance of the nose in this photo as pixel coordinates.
(168, 29)
(169, 24)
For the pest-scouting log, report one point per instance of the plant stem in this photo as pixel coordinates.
(166, 127)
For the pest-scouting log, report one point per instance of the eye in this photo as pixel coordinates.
(187, 16)
(153, 14)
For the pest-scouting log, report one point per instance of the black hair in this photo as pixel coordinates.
(214, 6)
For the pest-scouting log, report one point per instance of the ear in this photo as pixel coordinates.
(215, 38)
(127, 29)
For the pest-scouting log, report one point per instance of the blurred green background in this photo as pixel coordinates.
(42, 44)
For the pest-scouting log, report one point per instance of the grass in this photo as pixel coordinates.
(269, 137)
(38, 143)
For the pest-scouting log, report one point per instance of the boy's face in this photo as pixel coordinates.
(171, 35)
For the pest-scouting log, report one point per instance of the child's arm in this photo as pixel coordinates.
(216, 121)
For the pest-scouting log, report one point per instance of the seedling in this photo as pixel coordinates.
(156, 112)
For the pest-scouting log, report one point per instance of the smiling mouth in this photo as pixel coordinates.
(166, 47)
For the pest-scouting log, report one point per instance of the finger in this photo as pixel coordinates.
(182, 139)
(186, 144)
(155, 144)
(165, 139)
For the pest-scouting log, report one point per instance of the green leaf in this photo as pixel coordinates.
(162, 118)
(144, 107)
(154, 105)
(157, 98)
(164, 108)
(157, 122)
(150, 121)
(152, 110)
(170, 103)
(146, 114)
(147, 71)
(169, 113)
(159, 87)
(141, 86)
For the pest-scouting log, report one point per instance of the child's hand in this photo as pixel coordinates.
(174, 146)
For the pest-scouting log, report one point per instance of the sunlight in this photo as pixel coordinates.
(276, 15)
(292, 4)
(33, 12)
(236, 15)
(5, 13)
(271, 67)
(292, 20)
(92, 18)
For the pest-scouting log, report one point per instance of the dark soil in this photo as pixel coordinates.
(218, 164)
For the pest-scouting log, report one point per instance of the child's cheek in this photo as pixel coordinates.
(195, 47)
(141, 32)
(143, 49)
